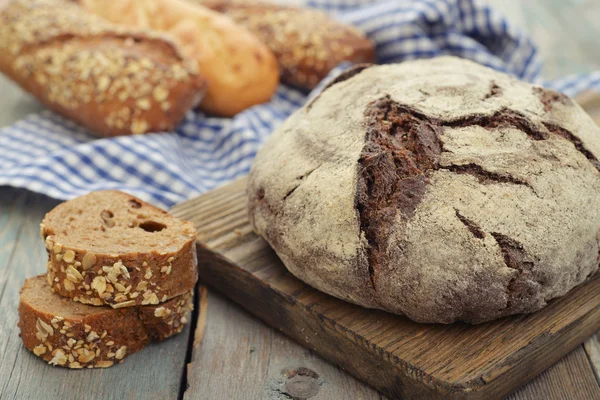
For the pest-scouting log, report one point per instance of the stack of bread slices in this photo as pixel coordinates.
(120, 274)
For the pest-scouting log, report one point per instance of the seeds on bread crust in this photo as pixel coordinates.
(111, 248)
(73, 335)
(307, 43)
(94, 72)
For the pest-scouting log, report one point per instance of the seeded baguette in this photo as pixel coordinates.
(240, 70)
(307, 43)
(111, 248)
(74, 335)
(111, 80)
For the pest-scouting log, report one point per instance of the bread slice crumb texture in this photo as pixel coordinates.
(69, 334)
(115, 222)
(112, 248)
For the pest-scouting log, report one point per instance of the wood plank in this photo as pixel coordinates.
(242, 358)
(570, 378)
(395, 355)
(11, 202)
(154, 373)
(592, 350)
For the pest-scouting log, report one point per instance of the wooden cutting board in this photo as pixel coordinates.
(401, 358)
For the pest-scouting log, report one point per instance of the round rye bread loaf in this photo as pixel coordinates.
(108, 247)
(438, 189)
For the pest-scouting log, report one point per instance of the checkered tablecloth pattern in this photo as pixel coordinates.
(48, 154)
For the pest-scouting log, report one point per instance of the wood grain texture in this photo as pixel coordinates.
(242, 358)
(154, 373)
(395, 355)
(571, 378)
(592, 351)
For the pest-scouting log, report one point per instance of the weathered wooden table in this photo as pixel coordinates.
(239, 357)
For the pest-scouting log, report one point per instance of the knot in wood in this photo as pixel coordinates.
(302, 383)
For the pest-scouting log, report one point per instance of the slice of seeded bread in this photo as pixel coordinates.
(74, 335)
(108, 247)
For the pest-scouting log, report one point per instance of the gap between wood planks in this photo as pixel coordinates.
(197, 329)
(592, 353)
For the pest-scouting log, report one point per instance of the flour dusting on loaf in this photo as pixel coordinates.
(438, 189)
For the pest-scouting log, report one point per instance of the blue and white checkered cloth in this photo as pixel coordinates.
(48, 154)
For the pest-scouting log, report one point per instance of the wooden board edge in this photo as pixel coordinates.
(539, 356)
(242, 287)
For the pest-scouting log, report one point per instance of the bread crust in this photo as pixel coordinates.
(73, 335)
(307, 43)
(240, 70)
(112, 80)
(438, 189)
(118, 261)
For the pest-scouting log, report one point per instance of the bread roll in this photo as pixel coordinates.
(111, 248)
(438, 189)
(307, 43)
(240, 70)
(74, 335)
(111, 80)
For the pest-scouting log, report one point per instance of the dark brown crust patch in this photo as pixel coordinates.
(495, 90)
(521, 285)
(401, 147)
(471, 226)
(513, 253)
(550, 97)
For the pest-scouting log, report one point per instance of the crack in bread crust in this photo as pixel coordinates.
(402, 148)
(501, 118)
(471, 226)
(522, 285)
(485, 177)
(377, 224)
(300, 180)
(575, 140)
(345, 75)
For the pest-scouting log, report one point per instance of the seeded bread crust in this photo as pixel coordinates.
(240, 70)
(73, 335)
(438, 189)
(111, 80)
(111, 248)
(307, 43)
